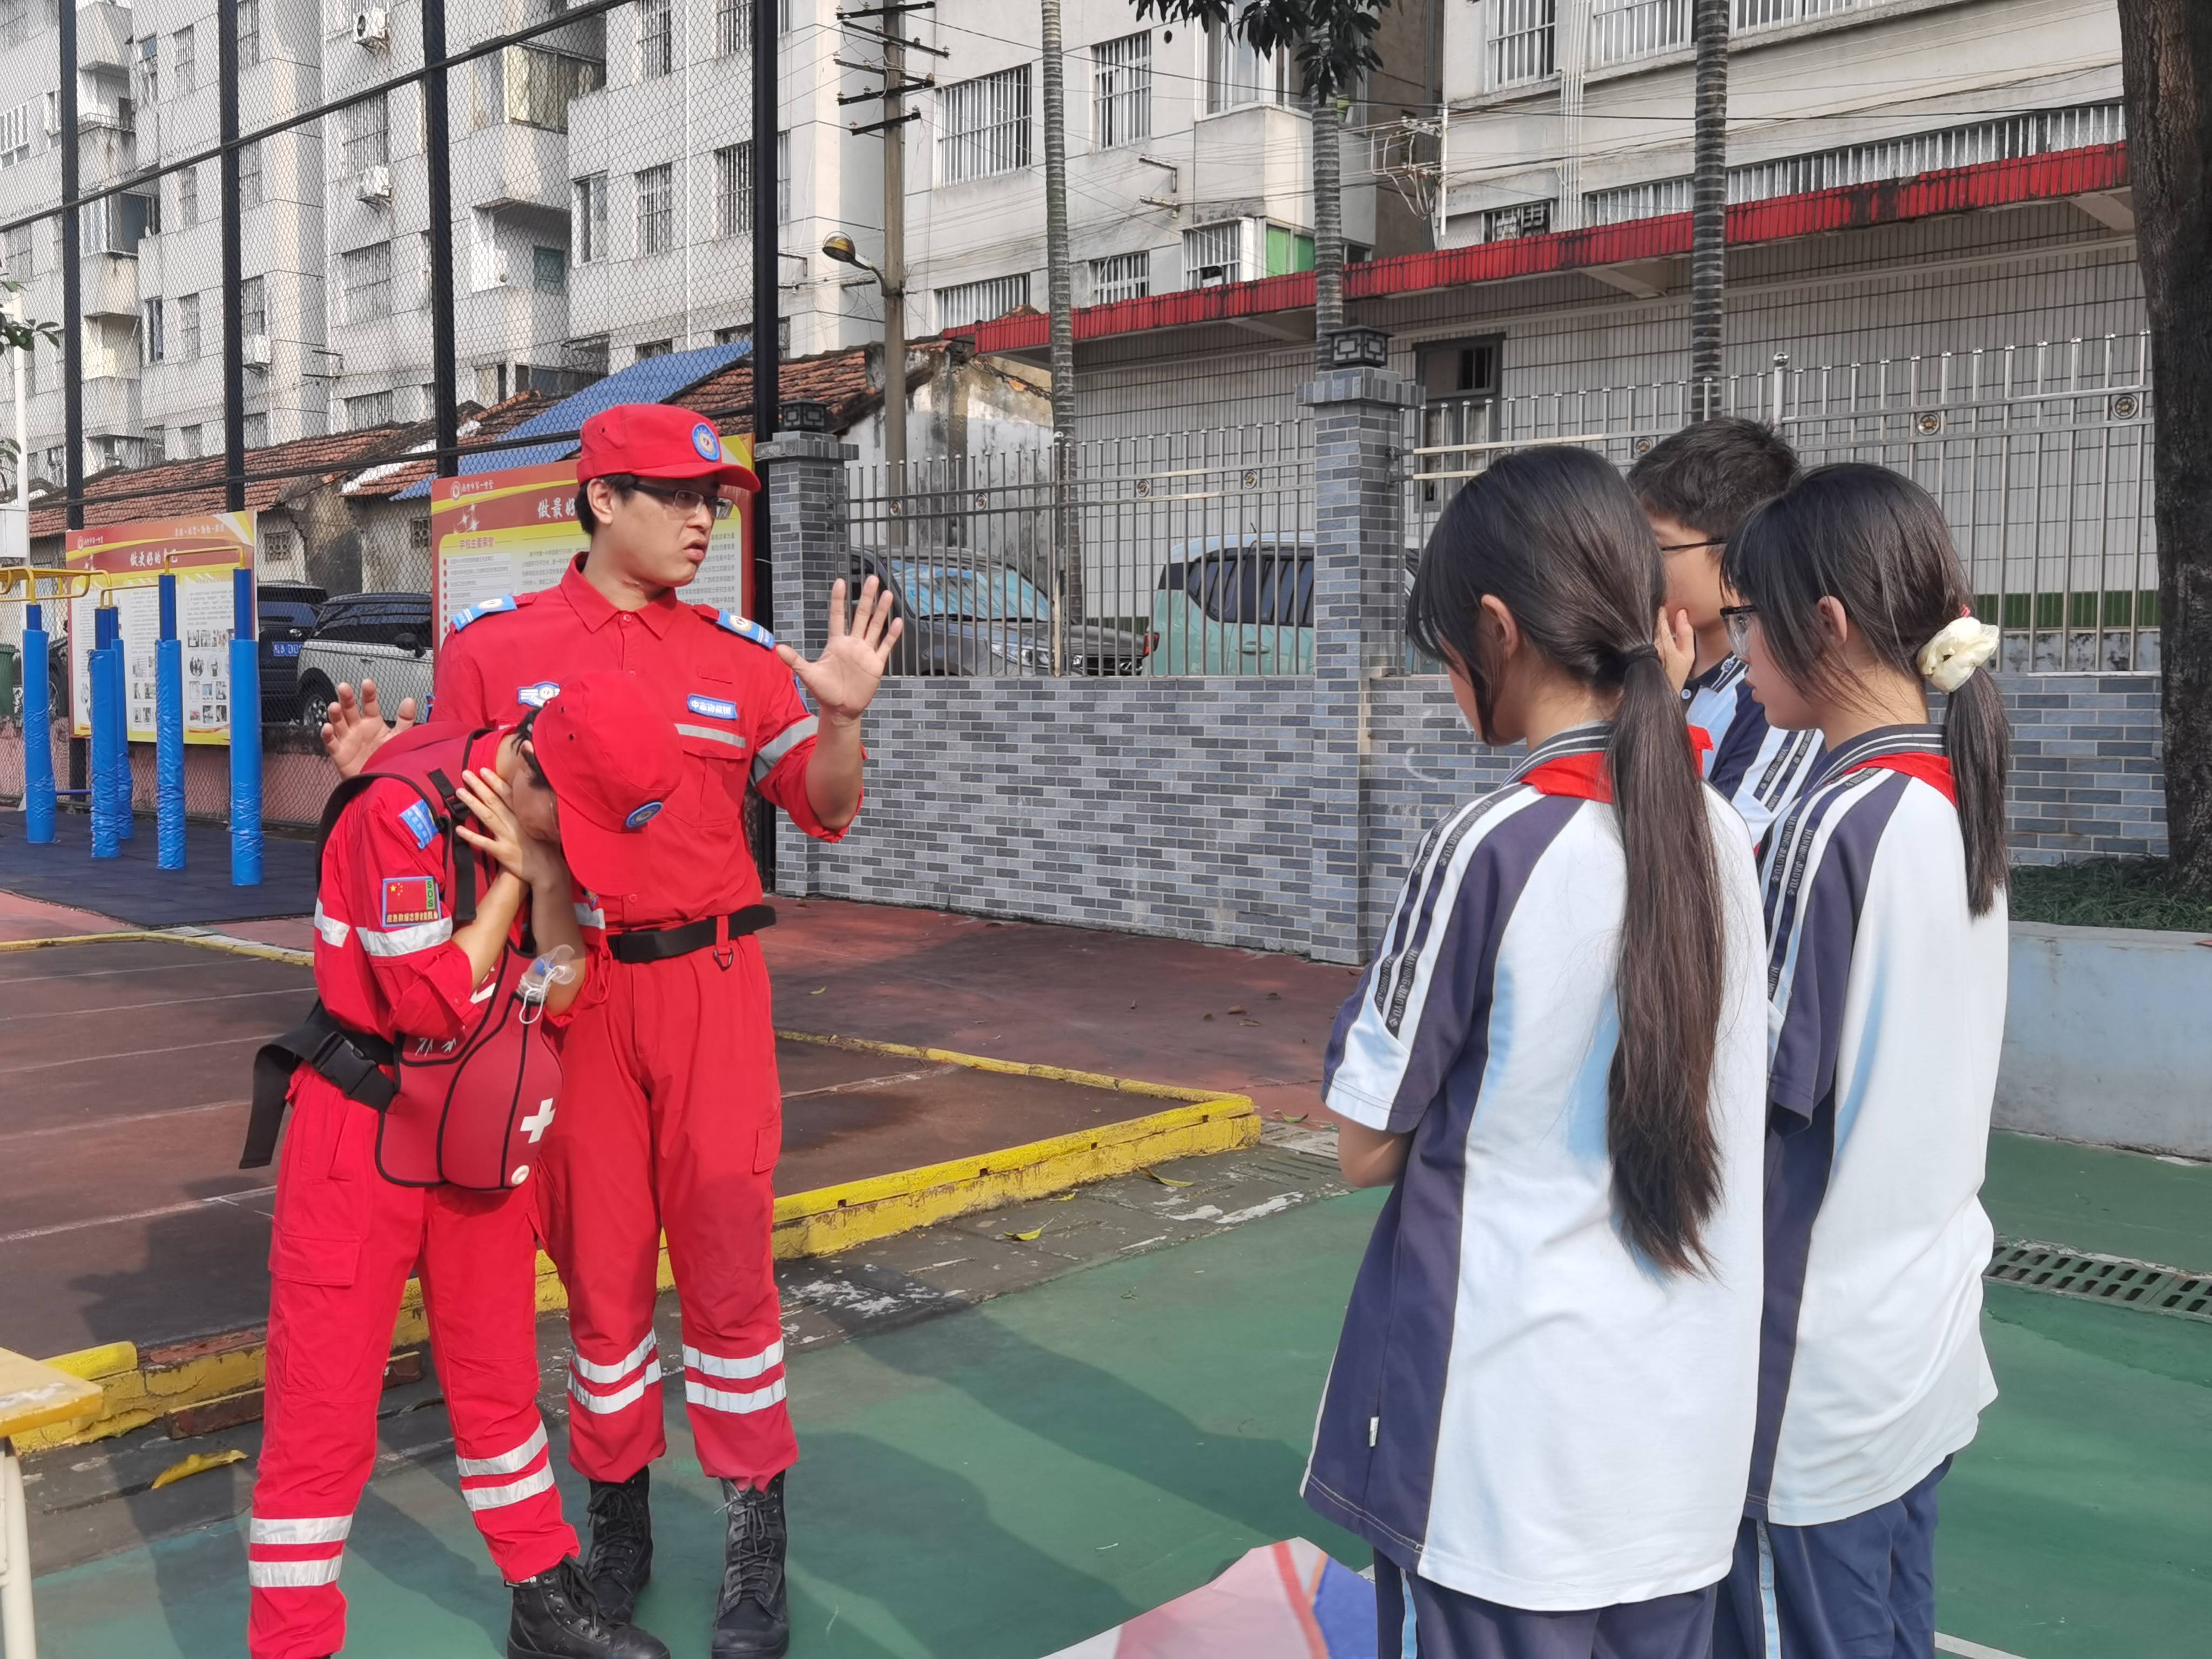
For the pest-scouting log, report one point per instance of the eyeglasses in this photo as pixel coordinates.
(1736, 619)
(687, 501)
(1687, 547)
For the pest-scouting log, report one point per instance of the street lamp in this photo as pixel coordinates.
(839, 246)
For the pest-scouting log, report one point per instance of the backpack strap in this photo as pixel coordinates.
(353, 1060)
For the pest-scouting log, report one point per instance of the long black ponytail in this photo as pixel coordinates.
(1555, 535)
(1877, 543)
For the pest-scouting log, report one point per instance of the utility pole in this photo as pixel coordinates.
(1067, 551)
(1709, 207)
(72, 286)
(1327, 128)
(233, 267)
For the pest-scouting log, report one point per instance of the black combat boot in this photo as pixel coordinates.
(620, 1561)
(752, 1615)
(557, 1617)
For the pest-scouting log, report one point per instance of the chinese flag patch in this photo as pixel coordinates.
(409, 899)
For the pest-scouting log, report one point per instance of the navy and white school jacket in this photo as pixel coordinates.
(1758, 769)
(1888, 1005)
(1520, 1408)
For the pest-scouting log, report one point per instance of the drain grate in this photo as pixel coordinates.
(2058, 1271)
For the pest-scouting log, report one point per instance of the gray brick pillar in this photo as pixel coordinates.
(803, 473)
(1359, 553)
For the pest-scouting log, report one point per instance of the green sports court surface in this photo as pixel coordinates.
(1001, 1481)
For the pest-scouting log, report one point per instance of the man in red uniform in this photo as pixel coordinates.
(395, 965)
(671, 1114)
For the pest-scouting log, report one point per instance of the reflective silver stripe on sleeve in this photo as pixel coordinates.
(713, 734)
(405, 941)
(329, 929)
(773, 751)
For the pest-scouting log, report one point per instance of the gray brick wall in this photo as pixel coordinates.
(2086, 774)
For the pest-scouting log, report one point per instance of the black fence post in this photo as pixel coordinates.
(766, 348)
(72, 283)
(439, 164)
(234, 276)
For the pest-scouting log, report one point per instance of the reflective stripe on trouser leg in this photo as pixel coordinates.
(718, 1116)
(595, 1200)
(343, 1244)
(1770, 1614)
(480, 1296)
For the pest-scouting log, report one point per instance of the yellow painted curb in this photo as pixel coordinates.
(237, 947)
(817, 1222)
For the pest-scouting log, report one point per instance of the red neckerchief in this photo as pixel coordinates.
(1586, 777)
(1928, 769)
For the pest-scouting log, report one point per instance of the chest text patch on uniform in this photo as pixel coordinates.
(420, 823)
(537, 696)
(409, 899)
(721, 708)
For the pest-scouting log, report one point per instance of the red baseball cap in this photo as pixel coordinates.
(656, 441)
(613, 761)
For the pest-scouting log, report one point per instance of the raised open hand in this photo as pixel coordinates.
(353, 728)
(844, 678)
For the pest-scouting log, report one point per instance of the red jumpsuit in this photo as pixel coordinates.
(346, 1240)
(671, 1114)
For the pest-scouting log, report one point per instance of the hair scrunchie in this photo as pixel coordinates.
(1950, 659)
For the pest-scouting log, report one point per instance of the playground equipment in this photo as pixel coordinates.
(107, 677)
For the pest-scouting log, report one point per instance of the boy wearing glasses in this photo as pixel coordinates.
(1695, 487)
(671, 1114)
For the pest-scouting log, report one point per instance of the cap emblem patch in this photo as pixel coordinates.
(704, 440)
(537, 696)
(641, 815)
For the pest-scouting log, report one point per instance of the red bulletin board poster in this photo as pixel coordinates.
(128, 561)
(515, 531)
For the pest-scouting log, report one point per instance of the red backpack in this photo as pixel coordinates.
(468, 1113)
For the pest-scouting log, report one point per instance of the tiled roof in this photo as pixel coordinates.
(497, 421)
(838, 379)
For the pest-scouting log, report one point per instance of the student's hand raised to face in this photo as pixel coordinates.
(844, 678)
(501, 838)
(1676, 642)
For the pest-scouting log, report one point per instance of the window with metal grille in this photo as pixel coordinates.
(981, 302)
(151, 336)
(16, 126)
(541, 84)
(253, 305)
(783, 177)
(1121, 90)
(366, 276)
(17, 254)
(734, 26)
(985, 126)
(1121, 276)
(1624, 29)
(1236, 74)
(1521, 32)
(252, 191)
(249, 32)
(656, 39)
(1522, 219)
(549, 269)
(1213, 254)
(188, 328)
(653, 348)
(188, 198)
(1652, 200)
(370, 409)
(369, 133)
(656, 209)
(590, 225)
(183, 72)
(733, 189)
(1771, 14)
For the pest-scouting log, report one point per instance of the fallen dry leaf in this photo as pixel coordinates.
(1287, 1117)
(1166, 1180)
(197, 1463)
(1022, 1238)
(817, 991)
(1236, 1011)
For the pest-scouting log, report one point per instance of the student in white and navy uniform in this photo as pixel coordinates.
(1540, 1412)
(1695, 488)
(1885, 920)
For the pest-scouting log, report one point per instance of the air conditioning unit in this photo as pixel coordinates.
(374, 184)
(371, 26)
(256, 354)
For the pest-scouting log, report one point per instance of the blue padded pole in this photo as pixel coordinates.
(169, 734)
(38, 732)
(105, 843)
(119, 713)
(245, 739)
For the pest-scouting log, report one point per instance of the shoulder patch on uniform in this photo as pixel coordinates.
(744, 627)
(409, 899)
(537, 696)
(719, 709)
(421, 822)
(478, 613)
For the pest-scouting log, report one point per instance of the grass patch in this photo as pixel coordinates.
(2108, 893)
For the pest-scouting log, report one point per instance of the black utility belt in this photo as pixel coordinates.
(352, 1060)
(660, 944)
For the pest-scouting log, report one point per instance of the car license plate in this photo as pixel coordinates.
(285, 648)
